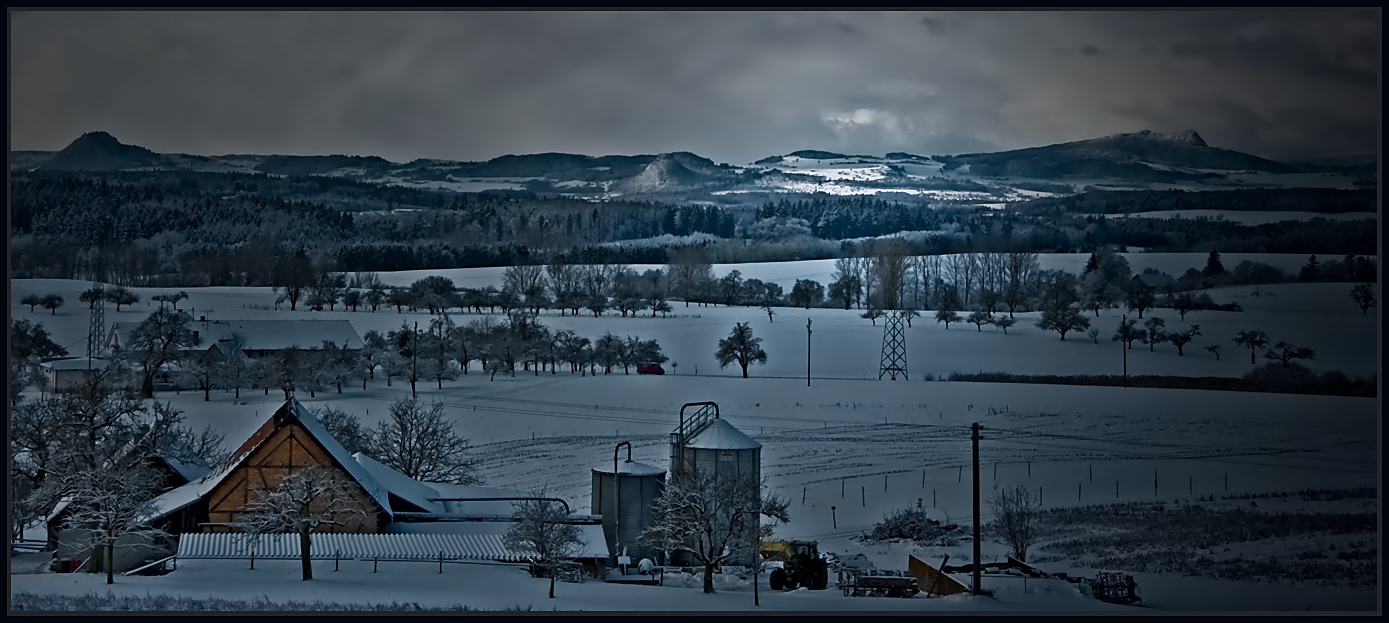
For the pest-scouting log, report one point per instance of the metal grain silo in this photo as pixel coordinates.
(624, 493)
(705, 445)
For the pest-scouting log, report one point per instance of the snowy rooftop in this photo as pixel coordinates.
(631, 468)
(720, 435)
(81, 363)
(400, 485)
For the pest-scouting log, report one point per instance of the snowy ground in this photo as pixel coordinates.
(848, 436)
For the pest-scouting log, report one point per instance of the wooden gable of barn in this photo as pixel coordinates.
(279, 447)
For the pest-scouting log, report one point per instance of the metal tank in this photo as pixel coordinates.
(706, 445)
(626, 502)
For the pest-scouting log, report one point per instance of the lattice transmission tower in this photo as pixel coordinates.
(894, 359)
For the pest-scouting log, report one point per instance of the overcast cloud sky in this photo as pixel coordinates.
(733, 86)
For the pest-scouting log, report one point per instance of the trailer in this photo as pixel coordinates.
(1115, 587)
(877, 583)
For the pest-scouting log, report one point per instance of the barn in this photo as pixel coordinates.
(405, 519)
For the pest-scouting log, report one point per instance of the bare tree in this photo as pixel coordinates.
(1364, 296)
(1286, 353)
(158, 340)
(544, 532)
(714, 519)
(307, 498)
(1003, 322)
(51, 302)
(346, 428)
(108, 509)
(1127, 332)
(1017, 519)
(1154, 334)
(1214, 350)
(200, 375)
(947, 303)
(172, 298)
(1253, 339)
(236, 370)
(121, 296)
(92, 296)
(420, 442)
(1140, 297)
(890, 269)
(979, 319)
(1181, 339)
(742, 347)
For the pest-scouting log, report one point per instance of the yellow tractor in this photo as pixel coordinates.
(801, 565)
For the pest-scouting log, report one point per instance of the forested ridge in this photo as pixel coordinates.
(191, 228)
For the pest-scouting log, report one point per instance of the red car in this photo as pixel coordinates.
(650, 368)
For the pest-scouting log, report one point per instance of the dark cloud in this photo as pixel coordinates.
(1282, 134)
(734, 86)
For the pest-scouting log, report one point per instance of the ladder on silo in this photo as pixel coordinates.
(699, 420)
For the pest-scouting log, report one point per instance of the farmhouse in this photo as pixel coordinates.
(62, 374)
(254, 338)
(1157, 282)
(402, 518)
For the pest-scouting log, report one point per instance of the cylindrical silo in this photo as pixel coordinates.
(627, 505)
(706, 445)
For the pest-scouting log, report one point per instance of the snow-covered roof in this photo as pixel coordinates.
(58, 508)
(400, 485)
(476, 508)
(720, 435)
(189, 471)
(1163, 280)
(77, 363)
(631, 468)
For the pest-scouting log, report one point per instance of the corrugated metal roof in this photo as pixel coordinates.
(455, 541)
(720, 435)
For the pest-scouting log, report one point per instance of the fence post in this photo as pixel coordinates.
(863, 492)
(253, 560)
(374, 560)
(337, 554)
(441, 562)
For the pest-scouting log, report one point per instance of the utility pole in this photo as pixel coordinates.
(1124, 347)
(807, 352)
(414, 360)
(978, 563)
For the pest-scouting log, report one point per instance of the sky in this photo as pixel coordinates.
(732, 86)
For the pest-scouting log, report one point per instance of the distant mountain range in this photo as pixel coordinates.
(1146, 160)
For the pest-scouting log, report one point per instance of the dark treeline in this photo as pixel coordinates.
(1323, 200)
(1317, 235)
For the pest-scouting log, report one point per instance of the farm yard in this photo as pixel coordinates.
(1203, 456)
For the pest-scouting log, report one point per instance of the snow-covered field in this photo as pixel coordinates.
(897, 442)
